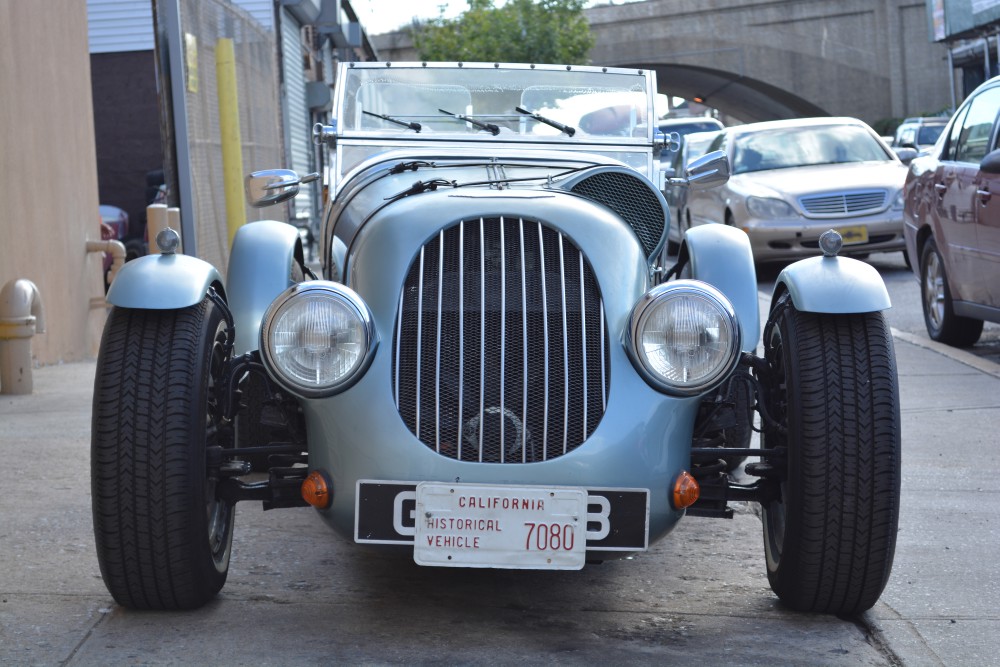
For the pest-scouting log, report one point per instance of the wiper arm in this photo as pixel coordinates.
(486, 126)
(412, 126)
(548, 121)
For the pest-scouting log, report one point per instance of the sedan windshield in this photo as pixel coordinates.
(786, 148)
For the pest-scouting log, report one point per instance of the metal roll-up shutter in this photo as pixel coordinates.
(296, 110)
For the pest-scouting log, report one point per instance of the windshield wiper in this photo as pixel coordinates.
(548, 121)
(412, 126)
(486, 126)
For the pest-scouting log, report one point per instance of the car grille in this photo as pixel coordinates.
(500, 352)
(631, 199)
(845, 203)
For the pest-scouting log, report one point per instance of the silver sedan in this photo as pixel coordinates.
(794, 179)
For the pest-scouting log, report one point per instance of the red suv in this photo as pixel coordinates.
(951, 221)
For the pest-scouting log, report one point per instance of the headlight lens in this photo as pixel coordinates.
(769, 208)
(684, 337)
(318, 337)
(897, 203)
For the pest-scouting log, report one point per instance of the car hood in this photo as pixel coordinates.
(818, 179)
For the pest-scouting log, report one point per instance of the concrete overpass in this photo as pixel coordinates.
(765, 59)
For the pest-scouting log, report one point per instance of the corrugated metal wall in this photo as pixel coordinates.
(297, 130)
(120, 25)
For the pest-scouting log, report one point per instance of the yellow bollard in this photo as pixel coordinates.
(229, 127)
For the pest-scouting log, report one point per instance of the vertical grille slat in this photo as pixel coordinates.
(534, 316)
(503, 337)
(583, 348)
(437, 367)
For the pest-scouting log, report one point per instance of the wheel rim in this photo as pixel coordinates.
(773, 515)
(219, 513)
(934, 296)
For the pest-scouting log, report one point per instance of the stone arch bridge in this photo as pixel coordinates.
(765, 59)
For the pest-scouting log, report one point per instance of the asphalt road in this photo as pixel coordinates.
(299, 595)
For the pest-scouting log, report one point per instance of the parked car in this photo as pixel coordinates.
(118, 219)
(675, 188)
(689, 124)
(919, 133)
(489, 374)
(952, 222)
(678, 129)
(795, 179)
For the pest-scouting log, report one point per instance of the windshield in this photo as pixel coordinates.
(929, 134)
(511, 104)
(804, 146)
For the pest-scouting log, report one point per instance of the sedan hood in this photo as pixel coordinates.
(791, 184)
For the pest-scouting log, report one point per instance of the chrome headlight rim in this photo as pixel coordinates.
(645, 306)
(347, 297)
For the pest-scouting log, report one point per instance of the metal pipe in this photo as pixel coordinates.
(21, 317)
(229, 129)
(986, 59)
(951, 78)
(117, 251)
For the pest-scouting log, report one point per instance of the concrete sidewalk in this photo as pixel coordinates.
(939, 607)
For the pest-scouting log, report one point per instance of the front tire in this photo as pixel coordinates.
(943, 325)
(163, 538)
(830, 527)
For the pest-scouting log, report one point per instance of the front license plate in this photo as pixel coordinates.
(854, 234)
(478, 525)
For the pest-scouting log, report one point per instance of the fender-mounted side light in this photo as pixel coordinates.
(317, 490)
(686, 490)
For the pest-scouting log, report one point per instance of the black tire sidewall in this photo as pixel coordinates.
(840, 500)
(150, 483)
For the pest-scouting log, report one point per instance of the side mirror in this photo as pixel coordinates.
(905, 154)
(273, 186)
(991, 163)
(708, 171)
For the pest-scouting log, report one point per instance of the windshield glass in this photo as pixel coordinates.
(929, 134)
(473, 101)
(785, 148)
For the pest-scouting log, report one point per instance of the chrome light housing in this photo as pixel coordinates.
(318, 338)
(683, 337)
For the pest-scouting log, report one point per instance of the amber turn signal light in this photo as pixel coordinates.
(686, 490)
(317, 490)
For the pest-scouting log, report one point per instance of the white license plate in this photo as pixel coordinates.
(479, 525)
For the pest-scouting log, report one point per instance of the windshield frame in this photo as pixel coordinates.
(593, 89)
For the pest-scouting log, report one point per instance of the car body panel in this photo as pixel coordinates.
(833, 285)
(163, 282)
(721, 256)
(260, 268)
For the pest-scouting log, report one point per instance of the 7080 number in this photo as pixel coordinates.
(549, 536)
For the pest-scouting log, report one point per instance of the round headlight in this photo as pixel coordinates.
(318, 337)
(683, 337)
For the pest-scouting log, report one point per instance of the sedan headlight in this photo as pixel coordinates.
(683, 337)
(898, 201)
(318, 338)
(769, 208)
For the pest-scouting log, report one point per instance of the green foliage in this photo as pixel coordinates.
(527, 31)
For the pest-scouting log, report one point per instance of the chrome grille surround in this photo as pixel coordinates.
(500, 352)
(843, 204)
(632, 199)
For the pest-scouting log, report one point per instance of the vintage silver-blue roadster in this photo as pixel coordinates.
(497, 368)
